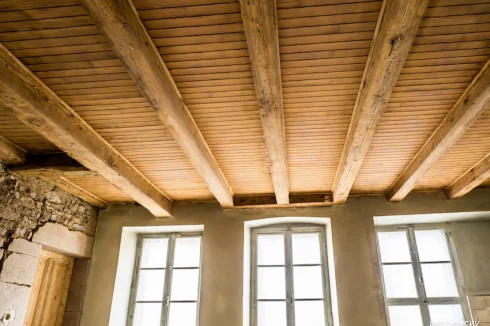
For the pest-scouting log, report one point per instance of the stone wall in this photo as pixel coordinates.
(28, 203)
(34, 214)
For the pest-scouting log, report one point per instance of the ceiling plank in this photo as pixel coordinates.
(472, 103)
(260, 25)
(470, 180)
(11, 153)
(32, 102)
(397, 27)
(120, 24)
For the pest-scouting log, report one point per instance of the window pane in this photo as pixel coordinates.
(185, 284)
(271, 313)
(154, 253)
(439, 280)
(308, 282)
(187, 252)
(309, 313)
(271, 283)
(446, 313)
(147, 314)
(150, 285)
(393, 247)
(399, 281)
(306, 248)
(270, 249)
(432, 246)
(182, 314)
(405, 316)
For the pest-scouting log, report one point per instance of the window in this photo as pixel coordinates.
(419, 277)
(289, 283)
(166, 280)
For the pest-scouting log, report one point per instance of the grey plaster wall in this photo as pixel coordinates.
(360, 298)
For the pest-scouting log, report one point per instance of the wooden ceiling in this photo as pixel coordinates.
(249, 102)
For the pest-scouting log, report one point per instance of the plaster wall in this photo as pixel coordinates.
(360, 298)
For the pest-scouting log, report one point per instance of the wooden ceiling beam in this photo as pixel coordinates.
(472, 103)
(397, 27)
(470, 180)
(119, 22)
(32, 102)
(295, 200)
(260, 25)
(57, 168)
(11, 153)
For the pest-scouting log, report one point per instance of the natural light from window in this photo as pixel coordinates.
(419, 277)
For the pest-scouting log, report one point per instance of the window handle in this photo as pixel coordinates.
(421, 280)
(167, 300)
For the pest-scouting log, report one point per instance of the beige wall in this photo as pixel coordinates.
(360, 299)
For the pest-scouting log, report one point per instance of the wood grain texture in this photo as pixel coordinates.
(260, 24)
(11, 153)
(397, 28)
(295, 200)
(471, 179)
(36, 105)
(120, 24)
(50, 290)
(467, 109)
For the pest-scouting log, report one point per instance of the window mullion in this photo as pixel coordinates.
(289, 278)
(168, 280)
(424, 307)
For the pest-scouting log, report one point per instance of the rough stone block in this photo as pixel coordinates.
(60, 238)
(25, 247)
(19, 269)
(14, 298)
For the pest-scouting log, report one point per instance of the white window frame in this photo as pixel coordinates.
(169, 268)
(287, 230)
(422, 300)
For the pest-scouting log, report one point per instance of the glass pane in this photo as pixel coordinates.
(306, 248)
(271, 313)
(393, 247)
(185, 284)
(309, 313)
(182, 314)
(187, 252)
(399, 281)
(150, 285)
(270, 249)
(439, 280)
(308, 282)
(445, 313)
(147, 314)
(271, 283)
(432, 245)
(405, 316)
(154, 253)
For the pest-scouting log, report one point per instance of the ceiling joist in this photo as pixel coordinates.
(397, 27)
(119, 22)
(32, 102)
(295, 200)
(11, 153)
(57, 168)
(260, 25)
(471, 179)
(474, 101)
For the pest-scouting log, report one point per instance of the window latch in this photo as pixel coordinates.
(167, 300)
